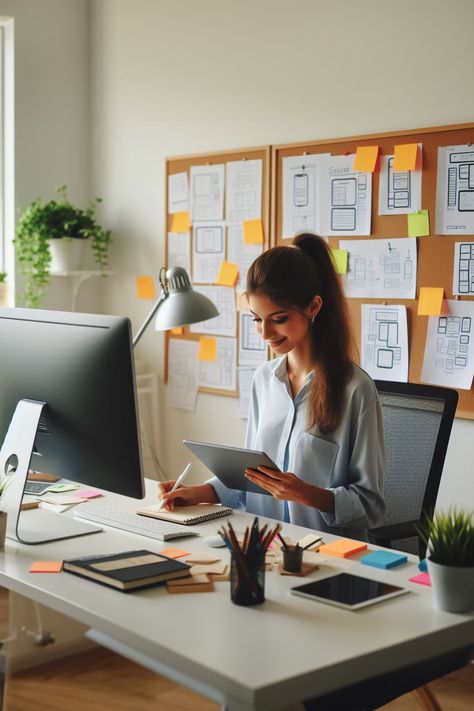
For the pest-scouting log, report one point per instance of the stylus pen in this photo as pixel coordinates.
(177, 482)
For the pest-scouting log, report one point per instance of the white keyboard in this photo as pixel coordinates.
(132, 522)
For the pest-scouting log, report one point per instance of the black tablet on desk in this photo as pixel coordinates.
(348, 591)
(228, 464)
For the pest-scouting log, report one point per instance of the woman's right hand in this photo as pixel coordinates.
(186, 495)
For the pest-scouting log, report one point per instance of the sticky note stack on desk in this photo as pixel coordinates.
(384, 559)
(343, 548)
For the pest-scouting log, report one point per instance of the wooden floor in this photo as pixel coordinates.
(99, 680)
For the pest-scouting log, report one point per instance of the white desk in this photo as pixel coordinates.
(265, 657)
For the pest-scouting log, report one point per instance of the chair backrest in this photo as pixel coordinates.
(417, 425)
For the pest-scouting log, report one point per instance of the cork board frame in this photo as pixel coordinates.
(435, 253)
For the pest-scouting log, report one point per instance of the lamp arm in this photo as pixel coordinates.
(144, 326)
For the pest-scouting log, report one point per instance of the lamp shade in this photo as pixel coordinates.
(182, 305)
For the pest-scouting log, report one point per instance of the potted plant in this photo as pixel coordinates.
(51, 236)
(450, 540)
(3, 289)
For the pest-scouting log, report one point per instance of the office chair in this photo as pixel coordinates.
(417, 425)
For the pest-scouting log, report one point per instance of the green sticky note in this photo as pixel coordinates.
(339, 258)
(419, 224)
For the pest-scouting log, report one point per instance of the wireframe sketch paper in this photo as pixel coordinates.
(208, 251)
(381, 268)
(245, 389)
(384, 342)
(240, 253)
(207, 192)
(301, 194)
(449, 358)
(179, 250)
(226, 323)
(243, 190)
(399, 191)
(178, 193)
(222, 372)
(182, 374)
(346, 198)
(252, 348)
(463, 272)
(455, 190)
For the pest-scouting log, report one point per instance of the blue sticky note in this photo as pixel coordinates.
(423, 565)
(384, 559)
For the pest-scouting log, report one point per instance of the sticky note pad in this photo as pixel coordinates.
(404, 157)
(181, 222)
(46, 566)
(174, 552)
(87, 493)
(430, 301)
(228, 274)
(207, 348)
(421, 579)
(365, 159)
(384, 559)
(145, 287)
(253, 232)
(177, 331)
(419, 224)
(343, 548)
(339, 259)
(61, 488)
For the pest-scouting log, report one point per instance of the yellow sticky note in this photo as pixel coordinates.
(366, 159)
(430, 301)
(145, 287)
(404, 157)
(207, 348)
(339, 258)
(419, 224)
(228, 274)
(178, 331)
(253, 232)
(181, 222)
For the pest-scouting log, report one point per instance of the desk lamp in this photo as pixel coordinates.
(178, 304)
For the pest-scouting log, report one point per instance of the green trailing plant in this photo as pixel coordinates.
(3, 277)
(450, 538)
(43, 221)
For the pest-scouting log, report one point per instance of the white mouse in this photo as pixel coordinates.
(214, 541)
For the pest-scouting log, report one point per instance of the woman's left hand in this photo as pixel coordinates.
(281, 485)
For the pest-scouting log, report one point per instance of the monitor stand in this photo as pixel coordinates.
(38, 525)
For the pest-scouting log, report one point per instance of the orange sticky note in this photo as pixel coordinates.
(228, 274)
(207, 348)
(253, 232)
(145, 287)
(46, 566)
(365, 159)
(178, 331)
(404, 157)
(181, 222)
(430, 301)
(343, 548)
(173, 552)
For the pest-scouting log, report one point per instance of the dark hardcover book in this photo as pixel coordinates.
(131, 570)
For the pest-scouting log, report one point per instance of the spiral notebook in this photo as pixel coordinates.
(186, 515)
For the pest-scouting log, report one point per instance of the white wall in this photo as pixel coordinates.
(171, 77)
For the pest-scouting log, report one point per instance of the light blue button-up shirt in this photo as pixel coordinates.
(348, 461)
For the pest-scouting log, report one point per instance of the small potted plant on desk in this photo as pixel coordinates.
(450, 540)
(3, 289)
(51, 237)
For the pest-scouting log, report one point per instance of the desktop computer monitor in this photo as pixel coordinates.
(80, 366)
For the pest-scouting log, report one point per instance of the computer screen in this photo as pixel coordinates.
(81, 366)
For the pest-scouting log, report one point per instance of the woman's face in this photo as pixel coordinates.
(282, 328)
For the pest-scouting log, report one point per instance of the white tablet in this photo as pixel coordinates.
(348, 591)
(228, 464)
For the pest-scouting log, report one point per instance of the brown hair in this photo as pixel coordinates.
(291, 278)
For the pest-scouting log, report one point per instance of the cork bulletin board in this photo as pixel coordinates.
(183, 164)
(435, 252)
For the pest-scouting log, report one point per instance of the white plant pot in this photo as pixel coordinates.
(453, 587)
(4, 300)
(67, 254)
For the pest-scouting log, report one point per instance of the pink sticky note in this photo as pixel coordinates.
(87, 494)
(421, 579)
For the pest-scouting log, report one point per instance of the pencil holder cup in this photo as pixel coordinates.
(247, 582)
(292, 559)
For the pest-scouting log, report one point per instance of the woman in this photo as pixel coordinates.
(313, 411)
